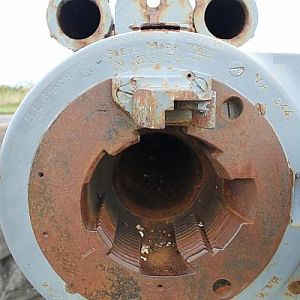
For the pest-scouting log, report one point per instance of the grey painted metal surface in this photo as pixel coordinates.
(131, 12)
(13, 284)
(96, 63)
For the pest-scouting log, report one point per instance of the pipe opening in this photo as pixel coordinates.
(158, 176)
(225, 19)
(164, 194)
(79, 19)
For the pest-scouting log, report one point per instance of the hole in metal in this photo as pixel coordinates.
(45, 234)
(232, 108)
(164, 195)
(40, 174)
(156, 176)
(222, 288)
(153, 3)
(225, 19)
(160, 288)
(79, 19)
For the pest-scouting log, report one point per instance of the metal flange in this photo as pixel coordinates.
(58, 95)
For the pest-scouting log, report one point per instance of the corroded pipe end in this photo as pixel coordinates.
(78, 23)
(233, 21)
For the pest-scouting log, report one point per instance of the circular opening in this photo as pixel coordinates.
(222, 288)
(225, 19)
(40, 174)
(45, 234)
(79, 19)
(232, 108)
(153, 3)
(157, 177)
(160, 288)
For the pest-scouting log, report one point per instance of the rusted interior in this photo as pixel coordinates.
(109, 227)
(226, 19)
(158, 177)
(78, 19)
(159, 184)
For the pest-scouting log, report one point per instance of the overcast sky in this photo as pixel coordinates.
(27, 52)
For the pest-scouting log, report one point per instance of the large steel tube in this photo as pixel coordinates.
(233, 21)
(159, 163)
(78, 23)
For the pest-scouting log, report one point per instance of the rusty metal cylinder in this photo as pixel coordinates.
(78, 23)
(233, 21)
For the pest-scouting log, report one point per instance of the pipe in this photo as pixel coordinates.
(233, 21)
(78, 23)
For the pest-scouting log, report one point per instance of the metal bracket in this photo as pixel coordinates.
(132, 13)
(156, 101)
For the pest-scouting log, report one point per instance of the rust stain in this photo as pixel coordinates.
(294, 288)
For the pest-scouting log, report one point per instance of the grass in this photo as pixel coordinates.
(11, 97)
(8, 109)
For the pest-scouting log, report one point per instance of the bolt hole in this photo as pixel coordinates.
(232, 108)
(226, 19)
(160, 288)
(153, 3)
(189, 75)
(294, 287)
(222, 288)
(41, 174)
(45, 234)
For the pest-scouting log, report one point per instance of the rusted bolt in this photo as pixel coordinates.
(237, 70)
(294, 287)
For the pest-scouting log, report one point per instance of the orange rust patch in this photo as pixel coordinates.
(252, 207)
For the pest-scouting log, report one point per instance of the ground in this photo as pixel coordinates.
(11, 97)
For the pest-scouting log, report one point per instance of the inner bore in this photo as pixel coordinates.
(79, 19)
(225, 19)
(158, 176)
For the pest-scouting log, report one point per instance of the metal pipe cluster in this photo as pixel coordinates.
(78, 23)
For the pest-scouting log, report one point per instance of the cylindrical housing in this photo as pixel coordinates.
(78, 23)
(233, 21)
